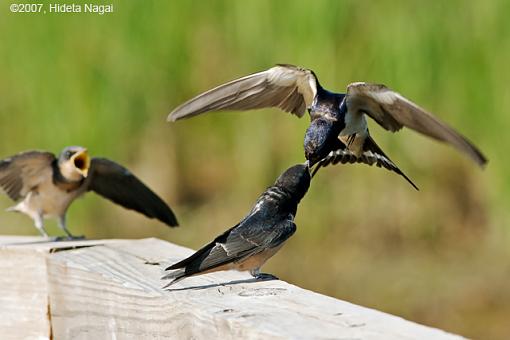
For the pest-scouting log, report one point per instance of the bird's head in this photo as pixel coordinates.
(295, 180)
(320, 136)
(74, 163)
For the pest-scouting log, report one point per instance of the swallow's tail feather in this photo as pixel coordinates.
(189, 266)
(371, 154)
(209, 257)
(175, 276)
(20, 207)
(185, 268)
(383, 160)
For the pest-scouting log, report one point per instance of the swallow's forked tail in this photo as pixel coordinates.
(187, 267)
(176, 276)
(371, 154)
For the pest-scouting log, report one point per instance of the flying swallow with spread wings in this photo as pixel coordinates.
(338, 131)
(250, 243)
(45, 186)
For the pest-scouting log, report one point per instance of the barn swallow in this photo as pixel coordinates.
(338, 123)
(249, 244)
(45, 185)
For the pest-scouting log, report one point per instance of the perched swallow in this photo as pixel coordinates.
(338, 130)
(45, 186)
(249, 244)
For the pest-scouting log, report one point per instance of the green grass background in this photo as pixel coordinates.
(439, 256)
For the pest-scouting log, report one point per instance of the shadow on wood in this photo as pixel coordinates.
(111, 289)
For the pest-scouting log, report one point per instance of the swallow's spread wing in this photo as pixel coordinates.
(236, 244)
(287, 87)
(392, 111)
(23, 172)
(119, 185)
(371, 154)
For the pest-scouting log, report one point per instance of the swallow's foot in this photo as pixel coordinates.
(68, 238)
(265, 277)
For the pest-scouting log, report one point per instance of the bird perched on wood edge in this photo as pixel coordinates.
(338, 131)
(251, 242)
(45, 185)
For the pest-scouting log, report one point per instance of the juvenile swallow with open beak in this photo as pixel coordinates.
(250, 243)
(338, 130)
(45, 185)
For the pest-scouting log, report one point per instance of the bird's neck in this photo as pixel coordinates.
(62, 182)
(281, 198)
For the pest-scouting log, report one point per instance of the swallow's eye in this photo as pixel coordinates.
(69, 154)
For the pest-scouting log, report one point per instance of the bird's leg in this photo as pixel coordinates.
(39, 224)
(262, 276)
(62, 224)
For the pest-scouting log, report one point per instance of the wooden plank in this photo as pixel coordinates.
(24, 297)
(112, 290)
(24, 300)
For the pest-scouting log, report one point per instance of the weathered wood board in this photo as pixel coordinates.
(111, 289)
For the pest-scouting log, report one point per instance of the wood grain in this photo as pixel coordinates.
(111, 289)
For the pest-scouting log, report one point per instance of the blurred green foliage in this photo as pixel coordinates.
(439, 256)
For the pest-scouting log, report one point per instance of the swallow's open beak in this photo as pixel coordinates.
(81, 161)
